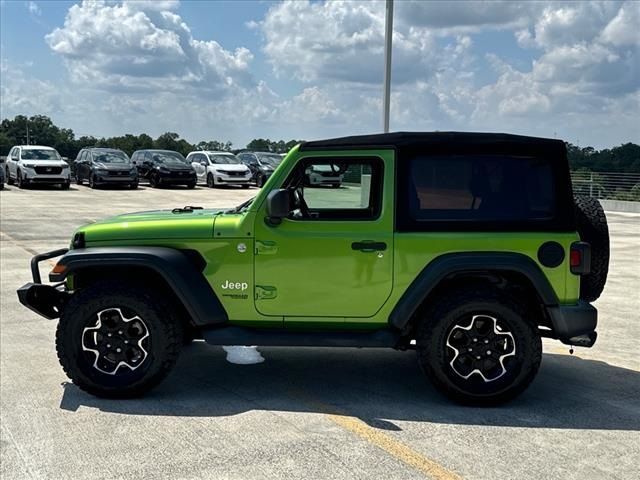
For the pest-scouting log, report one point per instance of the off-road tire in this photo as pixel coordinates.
(432, 350)
(591, 223)
(165, 339)
(9, 179)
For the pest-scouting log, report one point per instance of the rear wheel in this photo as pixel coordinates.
(478, 347)
(591, 223)
(211, 183)
(133, 185)
(260, 181)
(191, 185)
(92, 181)
(9, 179)
(78, 179)
(116, 340)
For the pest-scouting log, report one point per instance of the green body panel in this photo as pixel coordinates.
(304, 273)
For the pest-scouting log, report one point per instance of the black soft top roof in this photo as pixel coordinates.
(446, 142)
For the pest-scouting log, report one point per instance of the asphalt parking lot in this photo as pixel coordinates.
(304, 413)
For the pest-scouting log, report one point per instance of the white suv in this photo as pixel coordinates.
(27, 164)
(219, 168)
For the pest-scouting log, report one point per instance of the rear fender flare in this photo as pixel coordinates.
(454, 263)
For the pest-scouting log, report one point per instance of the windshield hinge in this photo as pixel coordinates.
(187, 209)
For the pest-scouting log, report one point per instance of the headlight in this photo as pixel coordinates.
(102, 171)
(28, 165)
(66, 165)
(133, 171)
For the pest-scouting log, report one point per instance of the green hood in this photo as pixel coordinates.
(152, 225)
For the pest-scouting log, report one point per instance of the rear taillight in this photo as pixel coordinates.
(580, 258)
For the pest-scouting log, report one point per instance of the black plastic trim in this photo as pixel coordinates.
(45, 300)
(175, 267)
(233, 335)
(453, 263)
(35, 270)
(570, 321)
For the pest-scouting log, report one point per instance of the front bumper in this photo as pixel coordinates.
(232, 179)
(175, 179)
(575, 324)
(33, 177)
(45, 300)
(115, 179)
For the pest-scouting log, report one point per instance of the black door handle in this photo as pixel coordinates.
(369, 246)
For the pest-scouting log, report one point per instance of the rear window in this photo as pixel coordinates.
(489, 191)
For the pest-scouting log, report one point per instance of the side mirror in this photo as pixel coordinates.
(203, 163)
(278, 206)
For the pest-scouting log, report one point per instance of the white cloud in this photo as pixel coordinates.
(142, 46)
(34, 8)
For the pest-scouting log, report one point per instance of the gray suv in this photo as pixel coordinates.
(105, 166)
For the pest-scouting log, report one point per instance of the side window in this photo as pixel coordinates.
(338, 188)
(479, 188)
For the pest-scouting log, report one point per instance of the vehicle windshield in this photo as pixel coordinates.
(270, 159)
(223, 159)
(32, 154)
(168, 158)
(110, 157)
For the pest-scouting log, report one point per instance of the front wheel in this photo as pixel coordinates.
(118, 341)
(478, 347)
(65, 185)
(22, 183)
(9, 179)
(133, 185)
(211, 183)
(92, 181)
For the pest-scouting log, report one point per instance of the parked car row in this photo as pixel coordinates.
(30, 164)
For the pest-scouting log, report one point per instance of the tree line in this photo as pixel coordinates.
(42, 131)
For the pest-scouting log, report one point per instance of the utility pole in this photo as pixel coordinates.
(27, 122)
(388, 34)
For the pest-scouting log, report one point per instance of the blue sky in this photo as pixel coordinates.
(240, 70)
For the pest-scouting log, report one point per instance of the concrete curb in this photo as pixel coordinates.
(620, 206)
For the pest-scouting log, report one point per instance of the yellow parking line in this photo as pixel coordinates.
(395, 448)
(383, 441)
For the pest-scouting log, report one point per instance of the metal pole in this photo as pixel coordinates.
(388, 34)
(27, 122)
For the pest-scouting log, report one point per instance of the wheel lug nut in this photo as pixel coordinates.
(126, 341)
(119, 332)
(486, 341)
(475, 339)
(108, 345)
(488, 352)
(109, 334)
(478, 357)
(470, 349)
(134, 360)
(118, 350)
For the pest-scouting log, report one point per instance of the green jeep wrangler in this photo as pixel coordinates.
(466, 247)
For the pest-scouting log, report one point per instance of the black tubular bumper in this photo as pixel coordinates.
(45, 300)
(575, 324)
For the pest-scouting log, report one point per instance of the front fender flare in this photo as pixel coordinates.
(173, 265)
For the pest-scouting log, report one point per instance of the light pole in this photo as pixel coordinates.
(388, 34)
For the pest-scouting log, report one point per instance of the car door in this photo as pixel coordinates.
(336, 261)
(200, 163)
(79, 164)
(11, 163)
